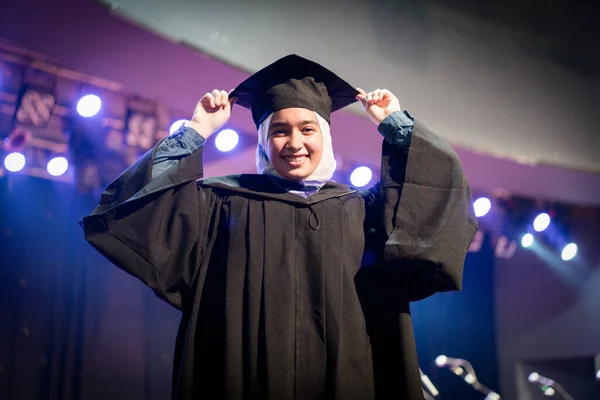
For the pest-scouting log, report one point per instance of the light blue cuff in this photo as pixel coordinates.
(191, 138)
(397, 128)
(180, 144)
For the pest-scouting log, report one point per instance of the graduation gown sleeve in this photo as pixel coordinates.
(420, 223)
(154, 229)
(427, 217)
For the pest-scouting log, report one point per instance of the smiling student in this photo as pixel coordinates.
(275, 273)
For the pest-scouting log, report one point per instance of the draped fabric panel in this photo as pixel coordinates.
(73, 326)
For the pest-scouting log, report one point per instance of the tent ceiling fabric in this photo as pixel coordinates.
(485, 80)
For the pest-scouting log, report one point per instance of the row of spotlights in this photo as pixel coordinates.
(89, 105)
(568, 252)
(483, 205)
(226, 141)
(15, 162)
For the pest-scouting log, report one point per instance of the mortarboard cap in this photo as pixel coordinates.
(293, 81)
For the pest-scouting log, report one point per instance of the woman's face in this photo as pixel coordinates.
(295, 143)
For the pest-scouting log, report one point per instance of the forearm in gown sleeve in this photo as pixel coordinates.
(154, 229)
(428, 214)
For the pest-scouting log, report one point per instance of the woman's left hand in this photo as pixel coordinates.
(378, 104)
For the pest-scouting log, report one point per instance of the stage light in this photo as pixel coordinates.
(464, 369)
(361, 176)
(226, 140)
(441, 360)
(57, 166)
(541, 222)
(548, 386)
(533, 377)
(176, 125)
(569, 252)
(482, 206)
(470, 379)
(598, 375)
(527, 240)
(14, 162)
(89, 105)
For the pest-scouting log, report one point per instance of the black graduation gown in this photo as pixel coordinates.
(290, 298)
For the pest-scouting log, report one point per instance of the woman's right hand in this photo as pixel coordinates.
(212, 112)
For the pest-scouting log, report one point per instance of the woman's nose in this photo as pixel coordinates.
(295, 141)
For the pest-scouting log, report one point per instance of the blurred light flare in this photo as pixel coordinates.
(482, 206)
(541, 222)
(470, 379)
(441, 360)
(57, 166)
(226, 140)
(569, 252)
(14, 162)
(527, 240)
(361, 176)
(89, 105)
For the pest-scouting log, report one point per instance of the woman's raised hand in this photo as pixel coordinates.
(378, 104)
(212, 112)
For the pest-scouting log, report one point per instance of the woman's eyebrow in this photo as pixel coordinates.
(281, 124)
(278, 124)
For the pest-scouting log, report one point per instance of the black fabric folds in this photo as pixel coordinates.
(286, 297)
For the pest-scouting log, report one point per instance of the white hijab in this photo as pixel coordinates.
(323, 172)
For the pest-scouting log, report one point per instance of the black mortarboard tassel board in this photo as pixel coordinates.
(293, 81)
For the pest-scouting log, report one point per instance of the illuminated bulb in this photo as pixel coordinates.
(57, 166)
(541, 222)
(527, 240)
(549, 391)
(89, 105)
(569, 252)
(14, 162)
(441, 360)
(226, 140)
(470, 379)
(361, 176)
(482, 206)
